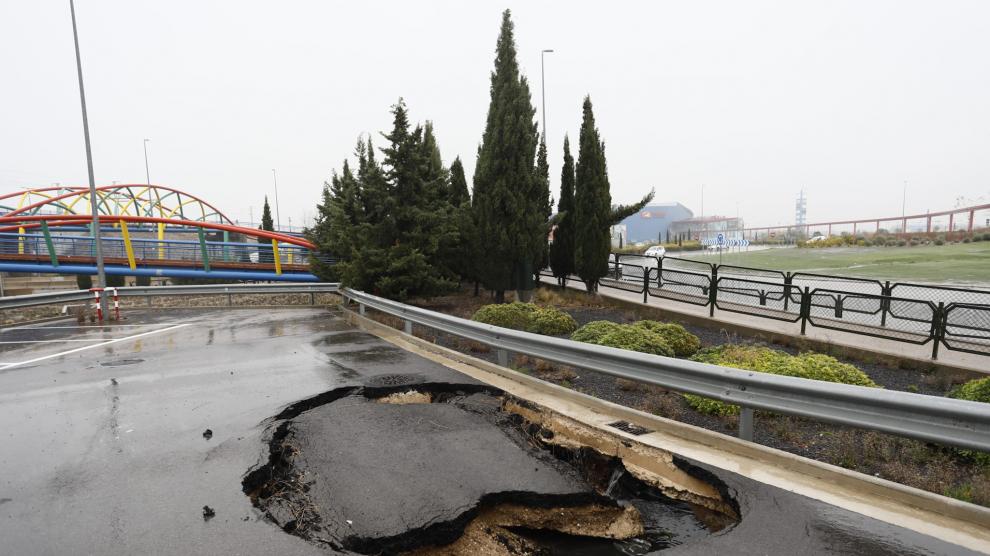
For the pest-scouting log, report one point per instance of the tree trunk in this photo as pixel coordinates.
(499, 296)
(477, 285)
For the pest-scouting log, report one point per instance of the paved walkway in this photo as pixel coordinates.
(919, 355)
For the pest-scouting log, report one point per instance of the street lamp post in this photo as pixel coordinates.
(543, 93)
(278, 217)
(101, 278)
(147, 173)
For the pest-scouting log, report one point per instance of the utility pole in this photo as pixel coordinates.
(278, 218)
(101, 278)
(543, 93)
(904, 200)
(147, 173)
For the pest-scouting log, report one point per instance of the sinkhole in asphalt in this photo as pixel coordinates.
(445, 469)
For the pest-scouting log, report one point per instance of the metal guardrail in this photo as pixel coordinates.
(959, 423)
(34, 300)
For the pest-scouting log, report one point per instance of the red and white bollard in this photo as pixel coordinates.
(96, 295)
(116, 304)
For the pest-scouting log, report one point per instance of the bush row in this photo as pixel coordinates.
(528, 317)
(814, 366)
(646, 336)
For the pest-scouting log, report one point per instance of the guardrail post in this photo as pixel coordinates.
(503, 357)
(660, 272)
(746, 423)
(312, 298)
(361, 309)
(646, 283)
(838, 306)
(938, 328)
(713, 292)
(408, 327)
(805, 308)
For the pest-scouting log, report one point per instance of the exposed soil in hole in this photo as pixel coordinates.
(610, 510)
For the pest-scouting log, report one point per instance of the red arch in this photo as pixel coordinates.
(12, 223)
(75, 191)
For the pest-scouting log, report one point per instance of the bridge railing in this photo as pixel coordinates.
(136, 251)
(961, 423)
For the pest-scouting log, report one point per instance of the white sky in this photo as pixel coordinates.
(755, 100)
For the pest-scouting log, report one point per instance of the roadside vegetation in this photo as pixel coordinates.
(957, 473)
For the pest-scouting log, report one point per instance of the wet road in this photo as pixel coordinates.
(103, 449)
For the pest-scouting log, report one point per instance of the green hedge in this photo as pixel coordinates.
(684, 343)
(814, 366)
(593, 331)
(977, 390)
(635, 338)
(623, 336)
(528, 317)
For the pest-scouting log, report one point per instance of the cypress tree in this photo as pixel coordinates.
(266, 218)
(265, 253)
(545, 205)
(506, 197)
(562, 249)
(593, 204)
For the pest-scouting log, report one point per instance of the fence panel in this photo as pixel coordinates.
(967, 328)
(755, 297)
(623, 276)
(680, 285)
(864, 314)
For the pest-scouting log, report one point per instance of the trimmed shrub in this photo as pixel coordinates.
(986, 236)
(551, 322)
(516, 316)
(635, 338)
(684, 343)
(977, 390)
(593, 331)
(939, 241)
(526, 316)
(814, 366)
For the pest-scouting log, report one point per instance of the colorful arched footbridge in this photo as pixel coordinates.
(144, 230)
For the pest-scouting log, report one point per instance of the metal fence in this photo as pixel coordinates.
(930, 418)
(951, 317)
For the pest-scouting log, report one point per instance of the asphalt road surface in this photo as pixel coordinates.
(103, 449)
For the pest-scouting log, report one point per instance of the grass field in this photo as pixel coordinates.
(959, 263)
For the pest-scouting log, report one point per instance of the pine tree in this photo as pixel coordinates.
(389, 224)
(562, 249)
(506, 199)
(458, 193)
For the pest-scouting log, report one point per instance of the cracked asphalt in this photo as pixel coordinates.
(103, 449)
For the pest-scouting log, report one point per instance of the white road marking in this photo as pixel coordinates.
(85, 327)
(52, 341)
(60, 354)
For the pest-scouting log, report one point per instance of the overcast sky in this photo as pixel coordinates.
(753, 100)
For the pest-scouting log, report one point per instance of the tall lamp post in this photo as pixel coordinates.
(101, 278)
(147, 173)
(278, 217)
(543, 92)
